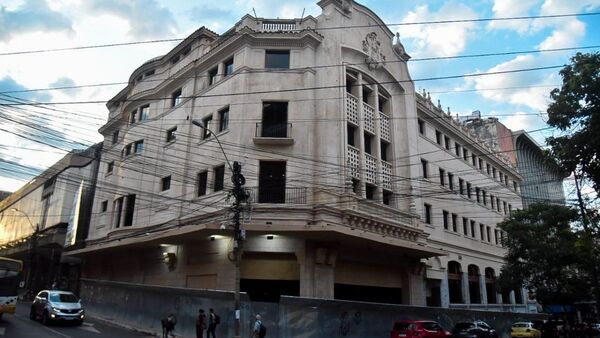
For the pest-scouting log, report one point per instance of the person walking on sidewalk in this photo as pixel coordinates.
(200, 324)
(213, 321)
(259, 329)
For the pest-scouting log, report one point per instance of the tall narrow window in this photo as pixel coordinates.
(447, 142)
(465, 226)
(207, 122)
(474, 159)
(468, 190)
(165, 183)
(493, 201)
(144, 112)
(212, 76)
(427, 208)
(110, 166)
(171, 134)
(115, 137)
(129, 210)
(424, 169)
(472, 229)
(442, 177)
(202, 182)
(384, 146)
(138, 146)
(438, 137)
(461, 186)
(480, 164)
(465, 154)
(219, 178)
(104, 206)
(274, 119)
(117, 212)
(229, 67)
(482, 231)
(421, 126)
(484, 197)
(445, 216)
(271, 182)
(132, 117)
(277, 59)
(488, 234)
(368, 141)
(457, 149)
(454, 222)
(223, 119)
(176, 97)
(451, 181)
(488, 169)
(477, 194)
(350, 132)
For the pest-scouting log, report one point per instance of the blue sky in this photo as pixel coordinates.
(38, 24)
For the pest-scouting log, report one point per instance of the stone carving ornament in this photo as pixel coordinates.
(372, 47)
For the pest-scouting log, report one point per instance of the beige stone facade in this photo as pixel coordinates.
(333, 140)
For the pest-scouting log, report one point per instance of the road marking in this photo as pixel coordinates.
(89, 327)
(2, 329)
(58, 333)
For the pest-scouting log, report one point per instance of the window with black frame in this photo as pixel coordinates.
(277, 59)
(274, 119)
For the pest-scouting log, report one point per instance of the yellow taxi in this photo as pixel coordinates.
(524, 329)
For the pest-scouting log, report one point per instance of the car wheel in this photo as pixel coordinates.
(45, 318)
(32, 314)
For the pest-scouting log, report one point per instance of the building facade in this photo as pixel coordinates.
(48, 215)
(360, 188)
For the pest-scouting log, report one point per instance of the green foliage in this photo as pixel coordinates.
(576, 109)
(544, 254)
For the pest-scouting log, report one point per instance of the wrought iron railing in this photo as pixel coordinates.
(277, 195)
(275, 130)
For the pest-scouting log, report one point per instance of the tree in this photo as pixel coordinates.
(576, 110)
(543, 254)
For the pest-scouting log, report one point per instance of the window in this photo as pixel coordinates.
(171, 134)
(369, 191)
(492, 201)
(504, 207)
(219, 178)
(510, 209)
(474, 159)
(447, 142)
(514, 185)
(387, 197)
(229, 67)
(368, 140)
(461, 186)
(425, 172)
(201, 184)
(165, 183)
(495, 174)
(384, 146)
(274, 119)
(427, 213)
(506, 180)
(496, 239)
(144, 112)
(497, 204)
(132, 117)
(484, 197)
(277, 59)
(138, 146)
(223, 119)
(176, 97)
(477, 194)
(115, 137)
(129, 209)
(117, 212)
(454, 222)
(421, 126)
(468, 190)
(473, 229)
(207, 122)
(445, 215)
(104, 206)
(488, 234)
(457, 149)
(438, 137)
(465, 154)
(351, 131)
(482, 231)
(212, 76)
(126, 150)
(465, 226)
(480, 164)
(110, 166)
(272, 182)
(451, 181)
(442, 177)
(488, 169)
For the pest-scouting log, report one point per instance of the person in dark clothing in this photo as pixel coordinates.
(212, 323)
(200, 324)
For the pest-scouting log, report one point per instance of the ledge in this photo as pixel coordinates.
(269, 141)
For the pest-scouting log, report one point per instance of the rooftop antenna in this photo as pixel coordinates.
(302, 16)
(254, 13)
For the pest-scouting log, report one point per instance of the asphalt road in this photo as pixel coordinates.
(20, 326)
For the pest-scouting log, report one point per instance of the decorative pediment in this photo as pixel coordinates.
(372, 47)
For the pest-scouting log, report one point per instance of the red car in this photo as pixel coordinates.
(418, 328)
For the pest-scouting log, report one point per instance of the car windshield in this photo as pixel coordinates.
(464, 326)
(403, 326)
(431, 326)
(63, 298)
(521, 325)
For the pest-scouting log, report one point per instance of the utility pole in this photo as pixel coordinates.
(588, 237)
(240, 195)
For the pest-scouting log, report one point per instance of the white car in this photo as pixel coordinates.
(54, 305)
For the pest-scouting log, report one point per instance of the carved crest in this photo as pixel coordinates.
(372, 47)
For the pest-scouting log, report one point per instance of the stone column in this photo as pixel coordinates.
(445, 291)
(379, 191)
(511, 296)
(413, 285)
(499, 298)
(317, 272)
(483, 289)
(465, 288)
(361, 136)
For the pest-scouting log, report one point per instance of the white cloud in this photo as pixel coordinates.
(569, 33)
(440, 39)
(521, 121)
(513, 8)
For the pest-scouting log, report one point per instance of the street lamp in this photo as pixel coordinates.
(31, 276)
(240, 195)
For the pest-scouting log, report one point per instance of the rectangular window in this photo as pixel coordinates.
(495, 174)
(384, 146)
(424, 169)
(496, 239)
(129, 210)
(473, 229)
(229, 67)
(126, 150)
(445, 215)
(465, 154)
(427, 213)
(457, 149)
(510, 209)
(110, 166)
(212, 75)
(272, 182)
(117, 212)
(144, 112)
(171, 134)
(480, 164)
(504, 207)
(274, 119)
(104, 206)
(176, 97)
(350, 132)
(468, 190)
(421, 126)
(277, 59)
(514, 185)
(477, 194)
(442, 177)
(488, 234)
(223, 119)
(115, 137)
(201, 184)
(451, 181)
(454, 222)
(132, 117)
(497, 204)
(207, 122)
(447, 142)
(165, 183)
(482, 231)
(474, 159)
(387, 197)
(219, 178)
(138, 146)
(488, 169)
(484, 197)
(492, 201)
(438, 137)
(461, 186)
(368, 140)
(506, 180)
(369, 191)
(465, 226)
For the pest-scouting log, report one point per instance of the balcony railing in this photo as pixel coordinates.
(274, 26)
(369, 117)
(384, 124)
(353, 160)
(371, 168)
(273, 133)
(352, 108)
(277, 195)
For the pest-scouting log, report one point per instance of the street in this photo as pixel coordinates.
(20, 326)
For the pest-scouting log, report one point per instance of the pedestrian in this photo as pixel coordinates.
(200, 324)
(259, 329)
(213, 321)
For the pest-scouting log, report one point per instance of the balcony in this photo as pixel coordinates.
(273, 134)
(384, 127)
(353, 160)
(369, 118)
(352, 108)
(279, 26)
(277, 195)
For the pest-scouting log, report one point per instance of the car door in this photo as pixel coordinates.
(40, 302)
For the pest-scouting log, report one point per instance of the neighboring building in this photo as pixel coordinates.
(361, 189)
(4, 194)
(49, 214)
(542, 179)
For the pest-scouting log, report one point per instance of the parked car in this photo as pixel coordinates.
(474, 329)
(54, 305)
(418, 328)
(525, 329)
